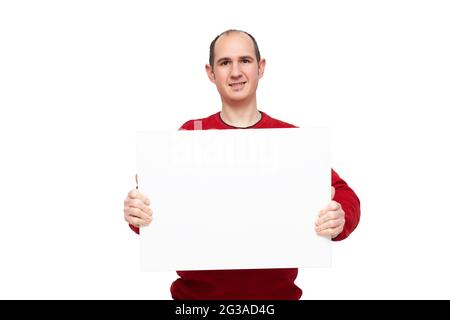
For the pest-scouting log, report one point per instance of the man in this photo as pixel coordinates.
(235, 67)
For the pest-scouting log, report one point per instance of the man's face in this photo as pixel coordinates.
(236, 72)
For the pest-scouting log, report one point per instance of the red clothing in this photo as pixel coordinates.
(258, 284)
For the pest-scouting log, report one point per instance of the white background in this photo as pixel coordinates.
(79, 78)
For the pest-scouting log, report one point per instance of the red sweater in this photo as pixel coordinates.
(257, 284)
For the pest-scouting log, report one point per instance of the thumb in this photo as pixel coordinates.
(136, 181)
(333, 191)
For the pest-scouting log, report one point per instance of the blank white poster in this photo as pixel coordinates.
(234, 199)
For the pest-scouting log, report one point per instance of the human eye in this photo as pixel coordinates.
(224, 63)
(246, 60)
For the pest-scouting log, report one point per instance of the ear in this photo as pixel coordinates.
(261, 67)
(210, 72)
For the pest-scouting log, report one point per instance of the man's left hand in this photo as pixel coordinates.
(331, 219)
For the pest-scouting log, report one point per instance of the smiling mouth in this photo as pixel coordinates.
(237, 85)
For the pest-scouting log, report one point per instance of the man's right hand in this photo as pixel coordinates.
(137, 210)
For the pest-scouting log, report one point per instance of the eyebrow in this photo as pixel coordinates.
(240, 58)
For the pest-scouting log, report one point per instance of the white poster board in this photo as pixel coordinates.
(234, 199)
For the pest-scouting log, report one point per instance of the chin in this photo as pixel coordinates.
(238, 98)
(239, 94)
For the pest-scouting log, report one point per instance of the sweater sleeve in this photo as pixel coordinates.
(135, 229)
(188, 125)
(349, 202)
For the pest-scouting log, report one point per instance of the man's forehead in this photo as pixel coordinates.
(233, 45)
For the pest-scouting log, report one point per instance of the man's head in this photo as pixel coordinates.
(235, 66)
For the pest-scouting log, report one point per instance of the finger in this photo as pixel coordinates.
(333, 191)
(138, 222)
(137, 213)
(330, 215)
(137, 203)
(331, 232)
(328, 233)
(134, 194)
(330, 224)
(332, 206)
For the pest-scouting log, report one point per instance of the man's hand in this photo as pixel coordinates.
(137, 210)
(331, 219)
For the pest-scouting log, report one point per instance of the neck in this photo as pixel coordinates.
(240, 116)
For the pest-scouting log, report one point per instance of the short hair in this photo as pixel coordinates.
(213, 45)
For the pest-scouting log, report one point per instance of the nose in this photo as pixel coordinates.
(235, 70)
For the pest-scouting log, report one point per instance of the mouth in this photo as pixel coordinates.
(236, 86)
